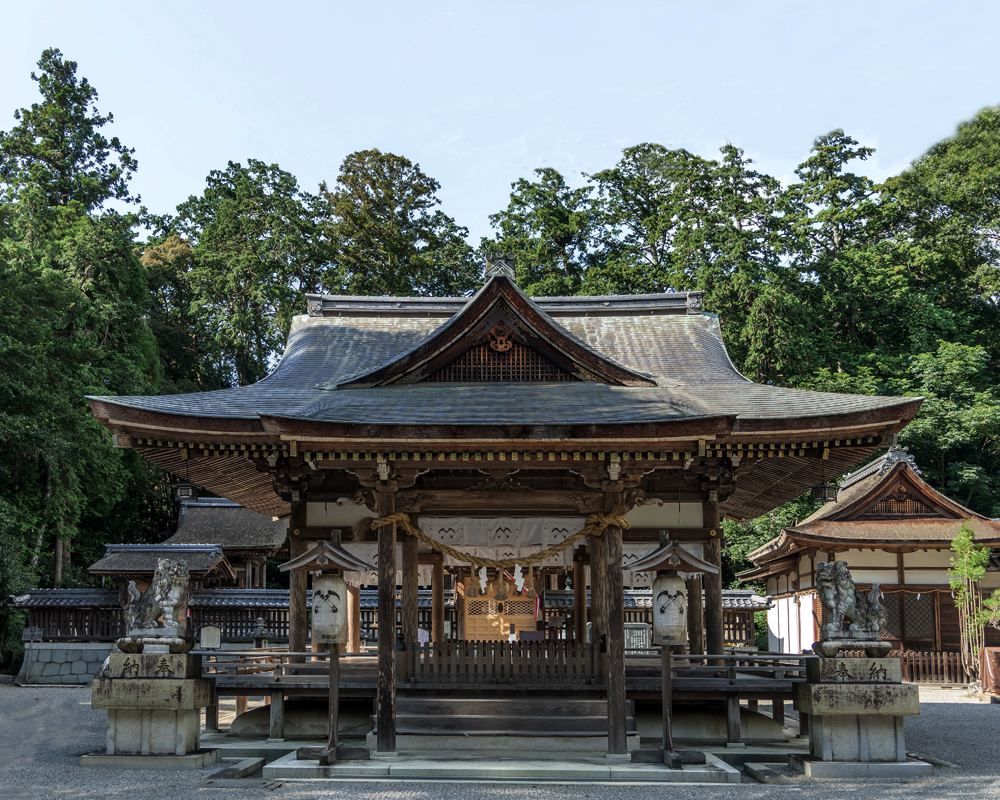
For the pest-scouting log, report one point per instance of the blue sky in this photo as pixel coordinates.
(480, 93)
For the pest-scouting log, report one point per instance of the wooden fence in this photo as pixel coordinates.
(237, 623)
(546, 662)
(73, 624)
(925, 667)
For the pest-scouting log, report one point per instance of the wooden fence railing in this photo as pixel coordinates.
(925, 667)
(547, 662)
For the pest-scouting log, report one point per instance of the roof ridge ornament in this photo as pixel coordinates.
(895, 455)
(695, 302)
(500, 265)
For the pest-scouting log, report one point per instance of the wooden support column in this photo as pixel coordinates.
(277, 732)
(437, 599)
(579, 599)
(297, 583)
(409, 601)
(598, 589)
(714, 633)
(615, 610)
(733, 731)
(695, 620)
(354, 617)
(386, 692)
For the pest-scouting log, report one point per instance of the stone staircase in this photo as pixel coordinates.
(505, 723)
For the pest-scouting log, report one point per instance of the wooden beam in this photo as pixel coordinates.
(437, 601)
(579, 599)
(409, 599)
(695, 618)
(598, 591)
(614, 592)
(354, 618)
(386, 692)
(297, 585)
(714, 632)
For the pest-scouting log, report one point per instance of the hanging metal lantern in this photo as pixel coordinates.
(329, 608)
(670, 609)
(184, 491)
(824, 493)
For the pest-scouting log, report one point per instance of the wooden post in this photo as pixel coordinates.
(354, 617)
(277, 715)
(410, 600)
(615, 620)
(212, 717)
(331, 743)
(386, 697)
(667, 699)
(733, 733)
(241, 704)
(714, 634)
(437, 599)
(598, 590)
(695, 619)
(579, 600)
(297, 583)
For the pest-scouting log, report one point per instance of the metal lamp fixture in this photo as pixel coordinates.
(184, 491)
(825, 492)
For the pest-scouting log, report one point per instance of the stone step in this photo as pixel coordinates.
(506, 707)
(489, 722)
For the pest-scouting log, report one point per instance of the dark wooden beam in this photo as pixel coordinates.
(437, 601)
(386, 691)
(714, 632)
(297, 586)
(579, 599)
(614, 592)
(409, 600)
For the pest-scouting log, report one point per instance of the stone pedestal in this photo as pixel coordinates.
(856, 708)
(153, 702)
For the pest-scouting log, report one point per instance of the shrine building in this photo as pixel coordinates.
(503, 425)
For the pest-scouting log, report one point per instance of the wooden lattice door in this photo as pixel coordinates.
(489, 620)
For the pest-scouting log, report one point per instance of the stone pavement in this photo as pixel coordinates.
(43, 731)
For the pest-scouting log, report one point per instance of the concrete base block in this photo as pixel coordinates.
(202, 758)
(152, 733)
(850, 699)
(861, 738)
(475, 766)
(814, 768)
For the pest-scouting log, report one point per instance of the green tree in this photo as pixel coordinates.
(551, 230)
(387, 235)
(256, 249)
(58, 151)
(968, 566)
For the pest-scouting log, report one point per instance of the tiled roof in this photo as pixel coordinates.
(127, 559)
(67, 598)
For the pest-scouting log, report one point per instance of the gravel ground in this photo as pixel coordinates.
(43, 730)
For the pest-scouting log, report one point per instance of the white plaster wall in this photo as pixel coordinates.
(807, 622)
(921, 576)
(340, 514)
(668, 515)
(805, 572)
(931, 559)
(867, 558)
(884, 576)
(775, 642)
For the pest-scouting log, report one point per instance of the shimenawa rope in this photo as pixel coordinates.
(594, 526)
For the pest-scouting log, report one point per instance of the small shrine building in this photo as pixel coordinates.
(892, 529)
(502, 426)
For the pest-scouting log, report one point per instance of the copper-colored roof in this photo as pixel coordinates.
(850, 518)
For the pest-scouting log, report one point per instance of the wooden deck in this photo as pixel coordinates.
(534, 669)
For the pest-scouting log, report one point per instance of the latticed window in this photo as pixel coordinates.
(910, 618)
(898, 504)
(485, 364)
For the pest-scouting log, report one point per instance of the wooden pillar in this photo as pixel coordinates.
(695, 620)
(615, 610)
(437, 599)
(212, 717)
(598, 589)
(733, 732)
(241, 704)
(714, 635)
(277, 715)
(334, 702)
(354, 617)
(579, 599)
(410, 600)
(297, 583)
(386, 692)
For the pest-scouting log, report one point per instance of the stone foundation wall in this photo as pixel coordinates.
(62, 662)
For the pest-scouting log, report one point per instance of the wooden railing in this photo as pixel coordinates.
(72, 624)
(546, 662)
(237, 623)
(925, 667)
